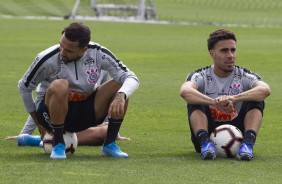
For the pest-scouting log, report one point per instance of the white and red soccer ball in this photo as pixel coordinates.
(227, 140)
(69, 138)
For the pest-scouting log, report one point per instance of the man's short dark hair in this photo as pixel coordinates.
(78, 32)
(218, 35)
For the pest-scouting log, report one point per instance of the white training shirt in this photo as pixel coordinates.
(83, 75)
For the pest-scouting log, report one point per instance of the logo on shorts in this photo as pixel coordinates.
(46, 117)
(219, 116)
(92, 75)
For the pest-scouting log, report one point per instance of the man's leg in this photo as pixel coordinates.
(199, 125)
(29, 126)
(252, 123)
(104, 96)
(93, 136)
(56, 100)
(253, 120)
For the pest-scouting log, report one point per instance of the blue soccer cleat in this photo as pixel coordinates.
(58, 151)
(113, 150)
(245, 152)
(208, 151)
(28, 140)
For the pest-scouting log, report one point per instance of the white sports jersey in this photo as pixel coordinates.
(83, 75)
(210, 84)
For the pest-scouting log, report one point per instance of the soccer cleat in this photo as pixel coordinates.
(208, 151)
(245, 152)
(58, 151)
(113, 150)
(28, 140)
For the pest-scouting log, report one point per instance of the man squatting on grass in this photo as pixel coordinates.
(224, 93)
(93, 136)
(67, 75)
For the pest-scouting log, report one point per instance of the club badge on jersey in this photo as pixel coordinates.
(93, 75)
(235, 88)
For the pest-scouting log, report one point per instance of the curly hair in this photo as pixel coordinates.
(78, 32)
(218, 35)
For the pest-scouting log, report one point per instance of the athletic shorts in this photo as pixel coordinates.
(237, 122)
(80, 115)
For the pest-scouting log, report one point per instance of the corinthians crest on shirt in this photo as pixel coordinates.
(235, 88)
(93, 75)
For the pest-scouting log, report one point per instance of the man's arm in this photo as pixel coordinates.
(259, 92)
(29, 126)
(41, 129)
(191, 95)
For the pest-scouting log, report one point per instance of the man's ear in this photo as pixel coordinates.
(84, 50)
(212, 53)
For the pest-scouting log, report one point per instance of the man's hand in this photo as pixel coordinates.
(11, 137)
(225, 103)
(119, 138)
(116, 109)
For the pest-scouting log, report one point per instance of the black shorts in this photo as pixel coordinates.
(237, 122)
(80, 115)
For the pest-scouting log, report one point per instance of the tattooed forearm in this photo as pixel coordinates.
(243, 95)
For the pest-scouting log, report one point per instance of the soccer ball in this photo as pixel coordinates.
(69, 138)
(227, 140)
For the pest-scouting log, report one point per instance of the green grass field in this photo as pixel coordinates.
(161, 55)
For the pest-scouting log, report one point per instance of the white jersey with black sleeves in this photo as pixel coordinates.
(210, 84)
(83, 75)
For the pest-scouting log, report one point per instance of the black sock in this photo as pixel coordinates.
(249, 137)
(58, 131)
(202, 136)
(113, 129)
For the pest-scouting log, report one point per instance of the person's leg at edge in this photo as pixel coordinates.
(56, 100)
(93, 136)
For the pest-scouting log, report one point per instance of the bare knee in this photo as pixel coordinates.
(198, 120)
(198, 116)
(59, 87)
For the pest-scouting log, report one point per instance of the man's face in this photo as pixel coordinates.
(69, 51)
(224, 55)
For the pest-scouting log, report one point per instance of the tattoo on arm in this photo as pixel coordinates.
(243, 95)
